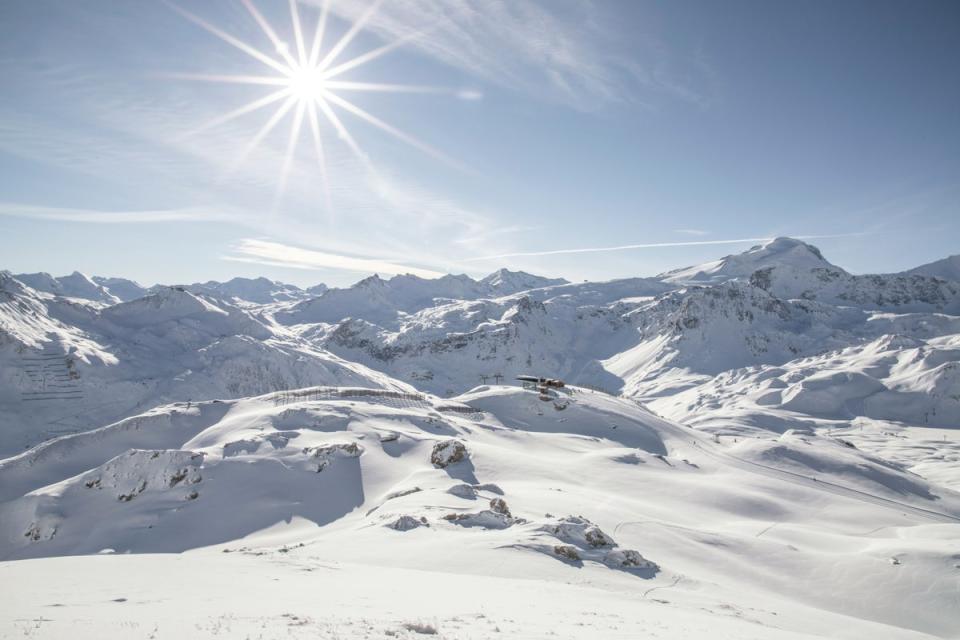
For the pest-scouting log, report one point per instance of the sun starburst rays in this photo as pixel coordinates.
(307, 88)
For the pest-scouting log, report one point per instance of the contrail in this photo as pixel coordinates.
(654, 245)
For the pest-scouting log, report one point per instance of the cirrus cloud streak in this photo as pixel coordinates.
(282, 255)
(654, 245)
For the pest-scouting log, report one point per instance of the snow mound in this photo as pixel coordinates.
(589, 414)
(831, 393)
(465, 491)
(407, 523)
(327, 454)
(579, 531)
(486, 519)
(580, 540)
(834, 461)
(136, 471)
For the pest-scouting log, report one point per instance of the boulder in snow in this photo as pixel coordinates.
(448, 452)
(581, 532)
(627, 559)
(407, 523)
(327, 454)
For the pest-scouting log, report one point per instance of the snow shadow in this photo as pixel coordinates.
(463, 471)
(235, 498)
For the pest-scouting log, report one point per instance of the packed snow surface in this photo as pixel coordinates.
(599, 501)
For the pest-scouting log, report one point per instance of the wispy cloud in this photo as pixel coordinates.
(375, 212)
(561, 52)
(654, 245)
(114, 217)
(281, 255)
(692, 232)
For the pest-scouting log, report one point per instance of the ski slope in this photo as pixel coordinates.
(319, 488)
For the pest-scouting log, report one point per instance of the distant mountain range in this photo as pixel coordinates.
(264, 291)
(127, 347)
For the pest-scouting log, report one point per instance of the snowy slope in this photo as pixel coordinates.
(778, 310)
(121, 288)
(945, 269)
(67, 366)
(317, 289)
(450, 347)
(894, 396)
(791, 536)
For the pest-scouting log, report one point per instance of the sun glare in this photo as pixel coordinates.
(307, 84)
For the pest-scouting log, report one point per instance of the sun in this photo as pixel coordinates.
(306, 82)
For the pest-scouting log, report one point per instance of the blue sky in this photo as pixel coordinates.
(549, 126)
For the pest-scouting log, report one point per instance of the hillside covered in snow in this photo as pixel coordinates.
(599, 504)
(762, 446)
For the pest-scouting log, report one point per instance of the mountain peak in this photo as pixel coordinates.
(260, 281)
(75, 285)
(783, 246)
(9, 283)
(506, 282)
(371, 281)
(778, 252)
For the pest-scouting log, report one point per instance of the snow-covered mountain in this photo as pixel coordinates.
(111, 290)
(945, 269)
(384, 301)
(780, 253)
(624, 335)
(121, 288)
(404, 293)
(256, 290)
(506, 282)
(790, 268)
(771, 305)
(67, 365)
(451, 347)
(75, 285)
